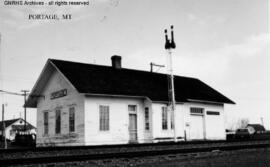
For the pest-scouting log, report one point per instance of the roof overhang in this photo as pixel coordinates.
(166, 102)
(36, 91)
(40, 84)
(207, 102)
(126, 96)
(118, 96)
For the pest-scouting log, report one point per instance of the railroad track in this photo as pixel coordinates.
(65, 154)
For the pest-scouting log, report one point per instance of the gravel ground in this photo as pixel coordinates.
(239, 158)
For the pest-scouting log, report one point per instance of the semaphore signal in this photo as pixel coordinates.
(169, 45)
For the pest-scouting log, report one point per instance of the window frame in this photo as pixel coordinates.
(71, 114)
(215, 113)
(172, 120)
(147, 119)
(46, 123)
(132, 111)
(104, 118)
(58, 121)
(196, 111)
(164, 118)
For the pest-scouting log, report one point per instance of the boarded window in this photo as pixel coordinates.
(164, 118)
(58, 121)
(71, 119)
(146, 116)
(104, 118)
(46, 122)
(212, 113)
(196, 111)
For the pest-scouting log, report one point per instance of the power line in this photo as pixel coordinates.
(11, 93)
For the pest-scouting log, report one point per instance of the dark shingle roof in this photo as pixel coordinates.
(97, 79)
(8, 122)
(12, 121)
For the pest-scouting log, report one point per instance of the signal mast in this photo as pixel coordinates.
(169, 46)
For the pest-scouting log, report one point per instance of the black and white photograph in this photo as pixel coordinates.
(148, 83)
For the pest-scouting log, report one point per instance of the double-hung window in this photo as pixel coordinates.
(164, 118)
(104, 118)
(146, 115)
(172, 120)
(71, 119)
(57, 121)
(46, 122)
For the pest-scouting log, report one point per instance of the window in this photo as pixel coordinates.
(212, 113)
(164, 118)
(58, 121)
(132, 108)
(196, 111)
(172, 120)
(146, 117)
(11, 132)
(71, 119)
(46, 122)
(104, 118)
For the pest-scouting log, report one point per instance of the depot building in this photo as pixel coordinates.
(86, 104)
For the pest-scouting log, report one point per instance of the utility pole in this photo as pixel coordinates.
(169, 46)
(24, 94)
(2, 98)
(262, 121)
(4, 126)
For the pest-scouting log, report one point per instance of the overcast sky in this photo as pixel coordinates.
(224, 43)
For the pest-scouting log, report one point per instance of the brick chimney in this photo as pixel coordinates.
(116, 61)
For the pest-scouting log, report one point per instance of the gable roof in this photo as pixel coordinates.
(12, 121)
(8, 123)
(105, 80)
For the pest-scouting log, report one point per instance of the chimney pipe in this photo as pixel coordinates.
(116, 61)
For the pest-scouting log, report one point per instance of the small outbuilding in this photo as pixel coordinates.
(16, 126)
(87, 104)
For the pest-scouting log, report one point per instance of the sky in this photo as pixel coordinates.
(224, 43)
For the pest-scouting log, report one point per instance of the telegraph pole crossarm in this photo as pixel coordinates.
(152, 65)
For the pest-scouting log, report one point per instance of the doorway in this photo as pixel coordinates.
(133, 128)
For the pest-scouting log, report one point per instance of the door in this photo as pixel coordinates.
(132, 128)
(215, 126)
(196, 127)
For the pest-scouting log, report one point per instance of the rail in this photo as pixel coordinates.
(65, 154)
